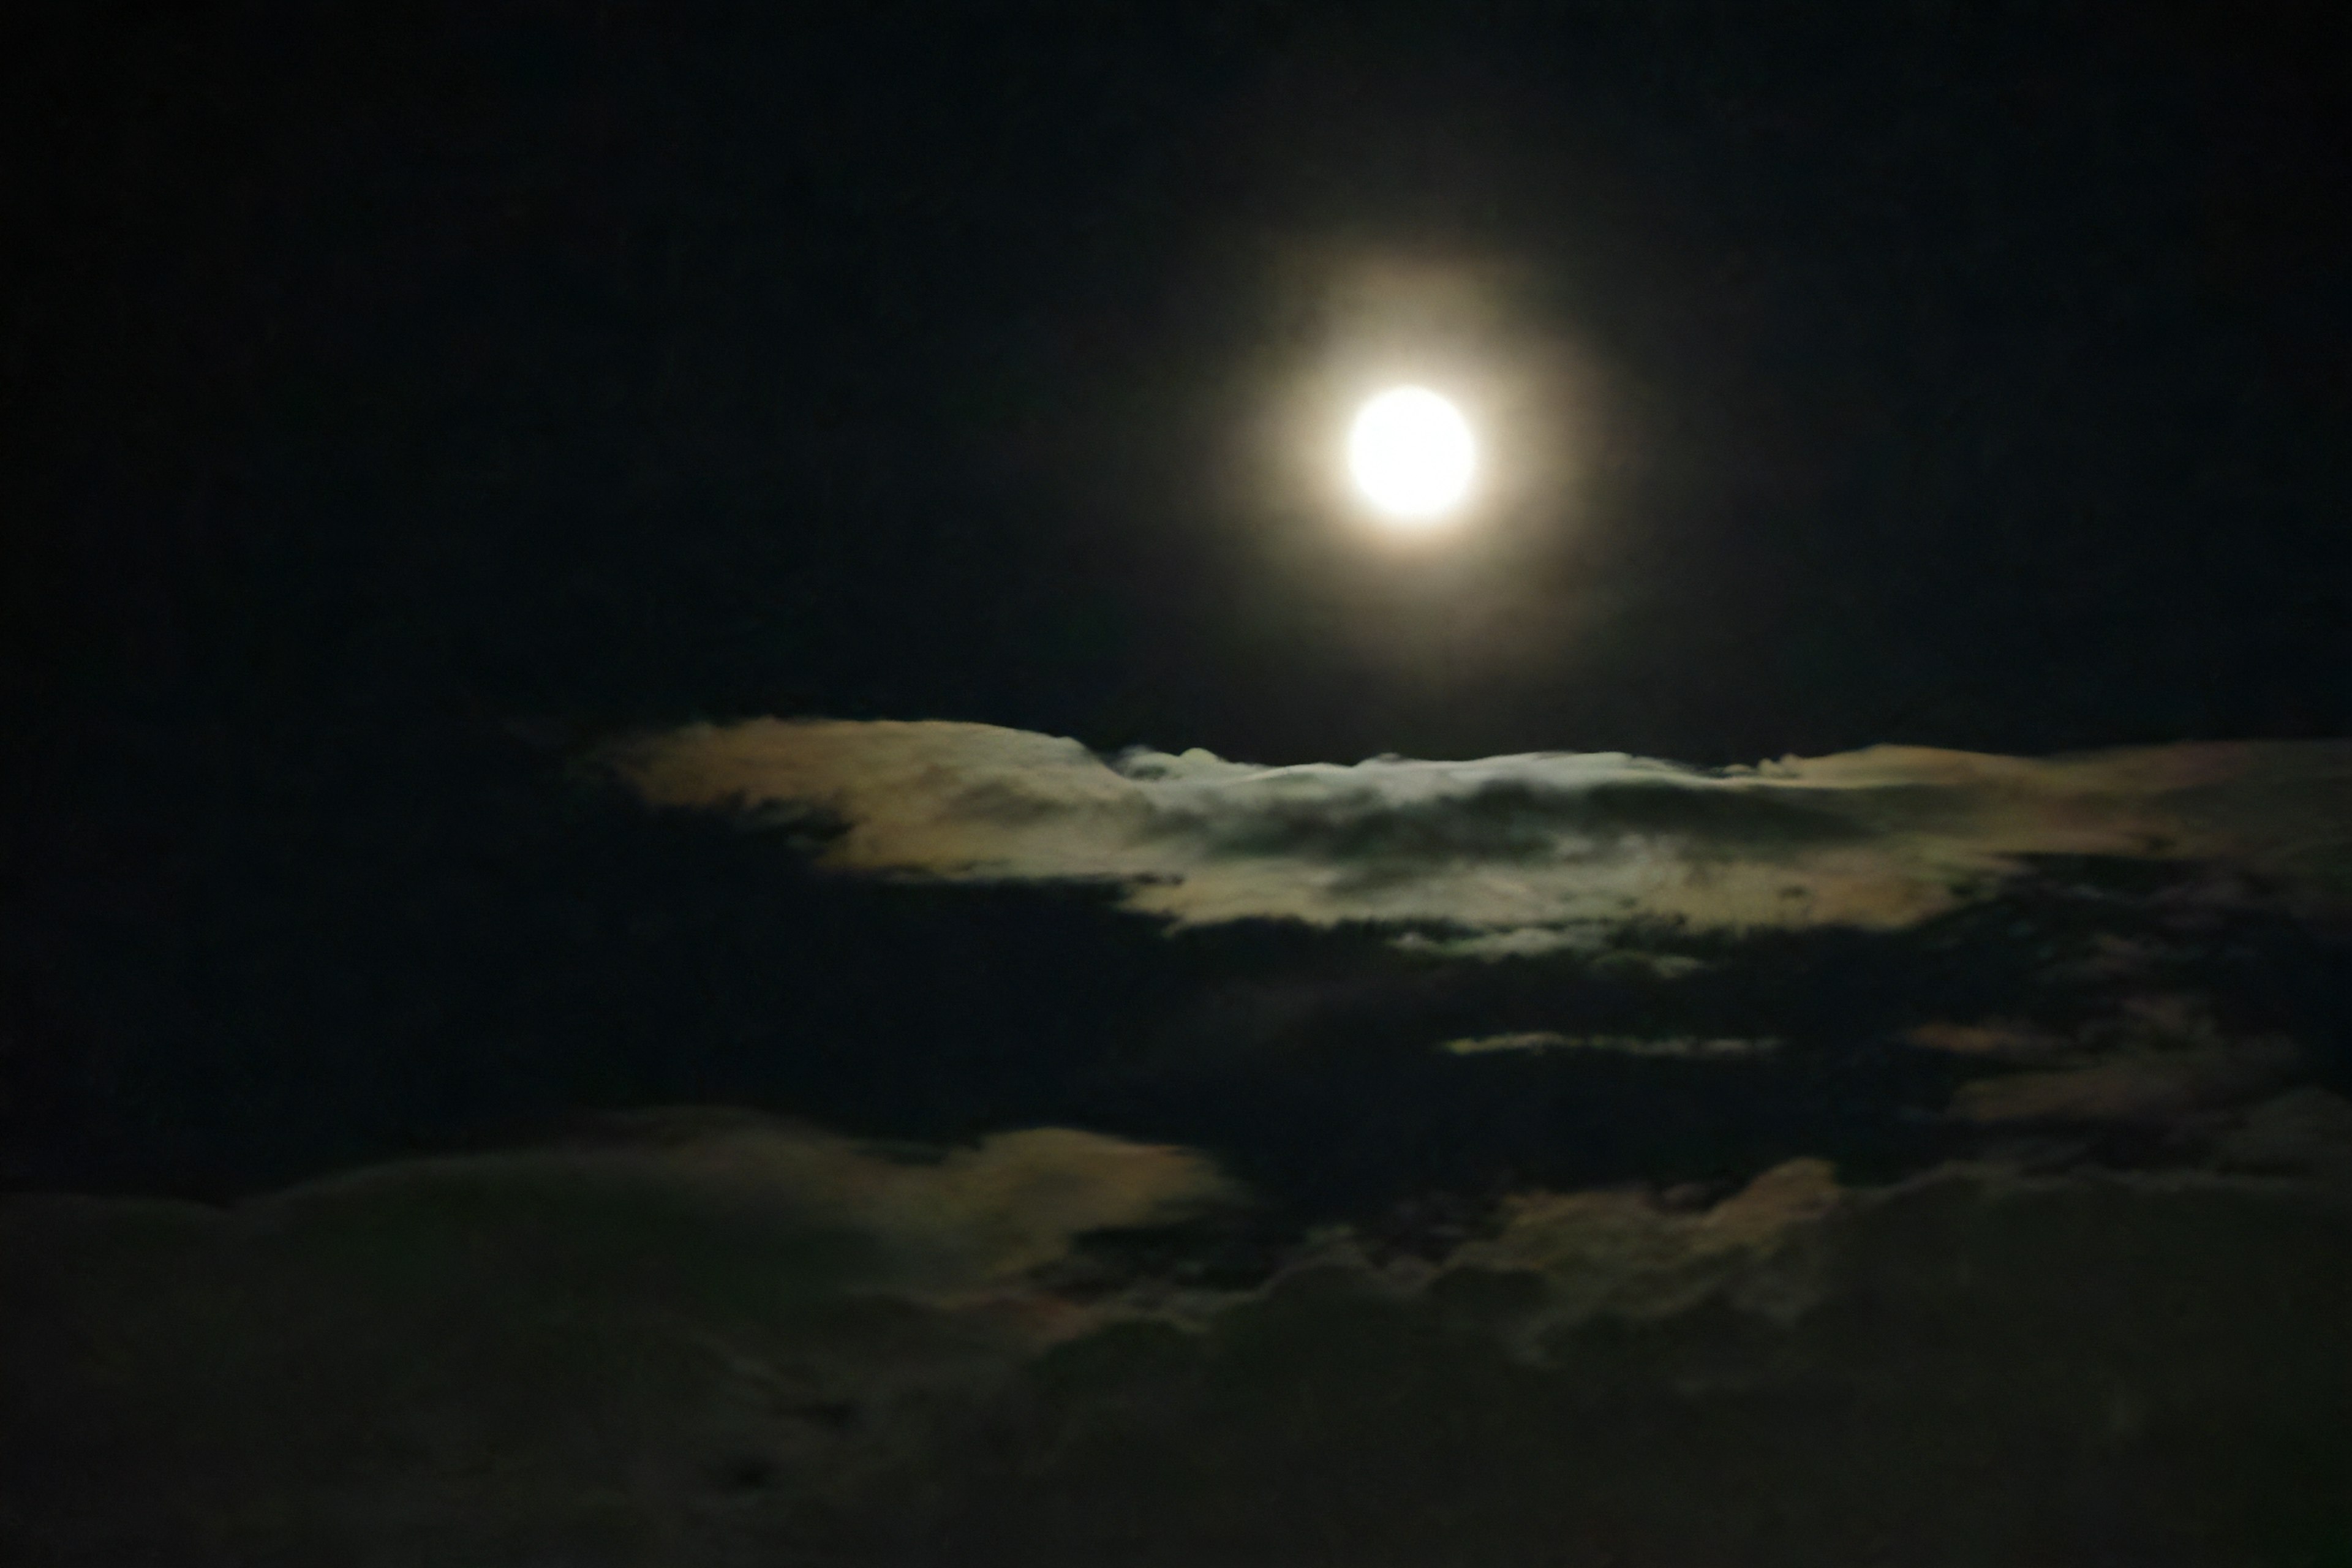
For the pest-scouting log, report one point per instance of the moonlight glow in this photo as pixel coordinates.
(1411, 455)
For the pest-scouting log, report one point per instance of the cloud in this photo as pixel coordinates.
(1626, 1045)
(699, 1312)
(1993, 1037)
(714, 1337)
(1508, 855)
(1588, 943)
(1968, 1367)
(923, 1222)
(2149, 1088)
(1623, 1253)
(2305, 1132)
(2159, 1058)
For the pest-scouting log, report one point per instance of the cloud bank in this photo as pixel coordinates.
(1515, 854)
(433, 1360)
(713, 1338)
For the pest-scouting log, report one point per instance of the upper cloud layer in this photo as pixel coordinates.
(1552, 847)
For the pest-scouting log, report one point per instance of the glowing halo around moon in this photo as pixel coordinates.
(1413, 456)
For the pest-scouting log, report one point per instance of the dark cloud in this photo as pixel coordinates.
(2011, 1039)
(1968, 1368)
(1502, 819)
(633, 1339)
(720, 1339)
(2159, 1060)
(2307, 1132)
(2151, 1087)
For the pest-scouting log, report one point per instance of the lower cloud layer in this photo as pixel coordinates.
(721, 1340)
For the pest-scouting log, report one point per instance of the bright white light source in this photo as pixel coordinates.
(1411, 455)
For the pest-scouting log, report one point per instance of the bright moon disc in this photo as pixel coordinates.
(1411, 455)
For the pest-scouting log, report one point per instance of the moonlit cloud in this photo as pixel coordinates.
(1514, 854)
(1623, 1253)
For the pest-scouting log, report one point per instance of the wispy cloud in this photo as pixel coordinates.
(930, 1223)
(1626, 1045)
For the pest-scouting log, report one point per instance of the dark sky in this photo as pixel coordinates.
(1967, 375)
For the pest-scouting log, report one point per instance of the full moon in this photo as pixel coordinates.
(1411, 454)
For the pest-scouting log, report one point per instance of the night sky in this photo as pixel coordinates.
(720, 845)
